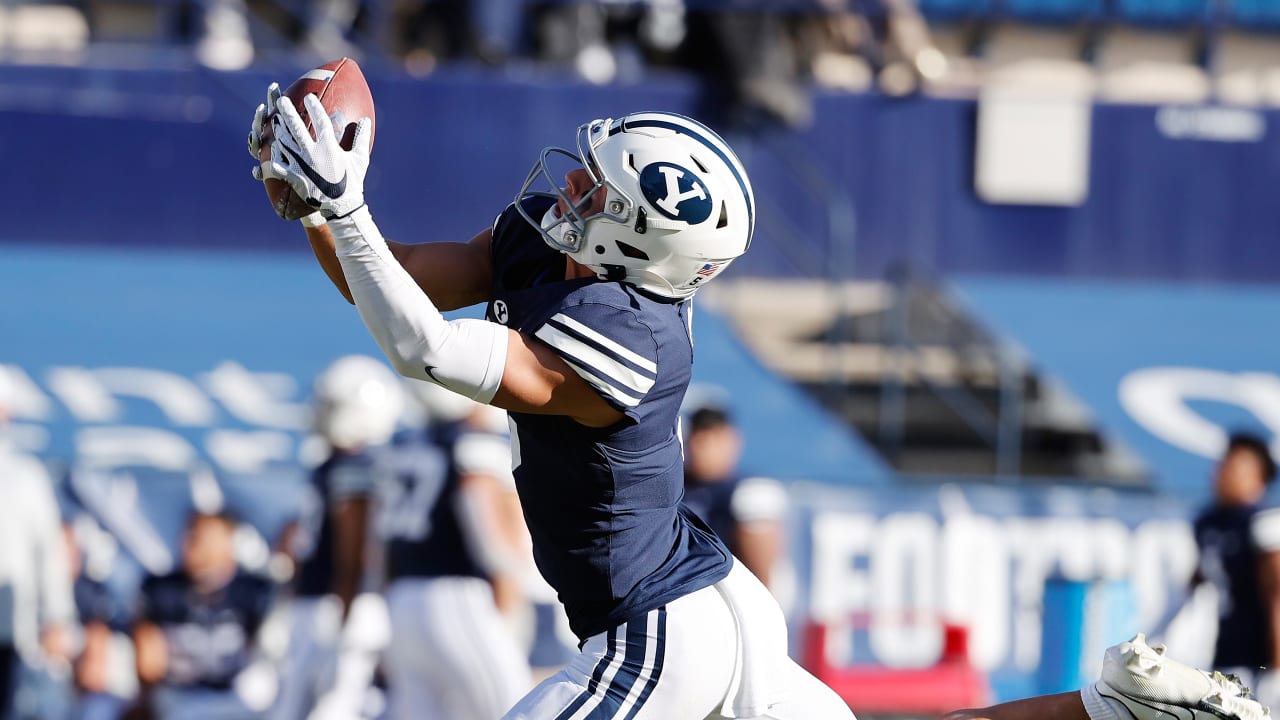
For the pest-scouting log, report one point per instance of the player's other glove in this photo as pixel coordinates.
(262, 170)
(255, 130)
(319, 170)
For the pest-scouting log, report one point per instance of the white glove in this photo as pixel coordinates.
(255, 131)
(319, 170)
(263, 171)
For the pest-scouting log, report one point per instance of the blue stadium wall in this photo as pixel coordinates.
(149, 158)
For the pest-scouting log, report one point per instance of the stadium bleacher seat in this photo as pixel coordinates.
(945, 10)
(1256, 14)
(1172, 13)
(1052, 11)
(1247, 52)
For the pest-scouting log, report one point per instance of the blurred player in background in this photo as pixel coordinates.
(1239, 540)
(455, 544)
(587, 345)
(102, 688)
(195, 628)
(37, 609)
(747, 513)
(357, 403)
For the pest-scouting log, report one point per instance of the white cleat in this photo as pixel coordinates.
(1153, 687)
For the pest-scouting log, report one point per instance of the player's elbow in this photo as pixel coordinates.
(405, 362)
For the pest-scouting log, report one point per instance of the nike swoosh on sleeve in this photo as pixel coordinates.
(330, 189)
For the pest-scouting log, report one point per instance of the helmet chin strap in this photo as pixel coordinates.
(574, 269)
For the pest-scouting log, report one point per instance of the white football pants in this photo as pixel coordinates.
(719, 652)
(451, 656)
(307, 670)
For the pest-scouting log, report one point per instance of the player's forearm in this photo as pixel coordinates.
(151, 653)
(478, 518)
(453, 275)
(1272, 608)
(321, 240)
(351, 525)
(466, 356)
(1269, 584)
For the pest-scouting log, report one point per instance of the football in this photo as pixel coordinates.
(343, 91)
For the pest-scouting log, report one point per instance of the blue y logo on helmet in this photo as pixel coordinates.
(676, 192)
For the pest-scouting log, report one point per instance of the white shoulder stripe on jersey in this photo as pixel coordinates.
(604, 387)
(613, 347)
(602, 365)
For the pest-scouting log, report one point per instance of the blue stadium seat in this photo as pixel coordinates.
(954, 9)
(1255, 14)
(1162, 12)
(1052, 11)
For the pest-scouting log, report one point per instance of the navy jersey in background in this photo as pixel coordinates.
(343, 476)
(418, 515)
(209, 635)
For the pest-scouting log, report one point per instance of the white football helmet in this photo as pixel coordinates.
(357, 402)
(678, 206)
(441, 405)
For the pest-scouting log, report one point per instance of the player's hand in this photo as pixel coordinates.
(262, 170)
(319, 170)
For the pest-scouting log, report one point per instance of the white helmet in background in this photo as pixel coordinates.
(678, 205)
(357, 402)
(441, 405)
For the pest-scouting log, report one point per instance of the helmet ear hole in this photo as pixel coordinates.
(632, 251)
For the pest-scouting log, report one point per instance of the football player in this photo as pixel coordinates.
(357, 402)
(452, 534)
(747, 513)
(586, 343)
(195, 629)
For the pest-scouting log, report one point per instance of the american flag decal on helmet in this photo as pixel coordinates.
(709, 269)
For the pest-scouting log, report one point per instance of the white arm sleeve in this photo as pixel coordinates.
(475, 519)
(1265, 530)
(465, 356)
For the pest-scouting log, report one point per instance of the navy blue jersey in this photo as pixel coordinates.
(603, 504)
(96, 603)
(1229, 558)
(209, 635)
(341, 477)
(417, 509)
(713, 502)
